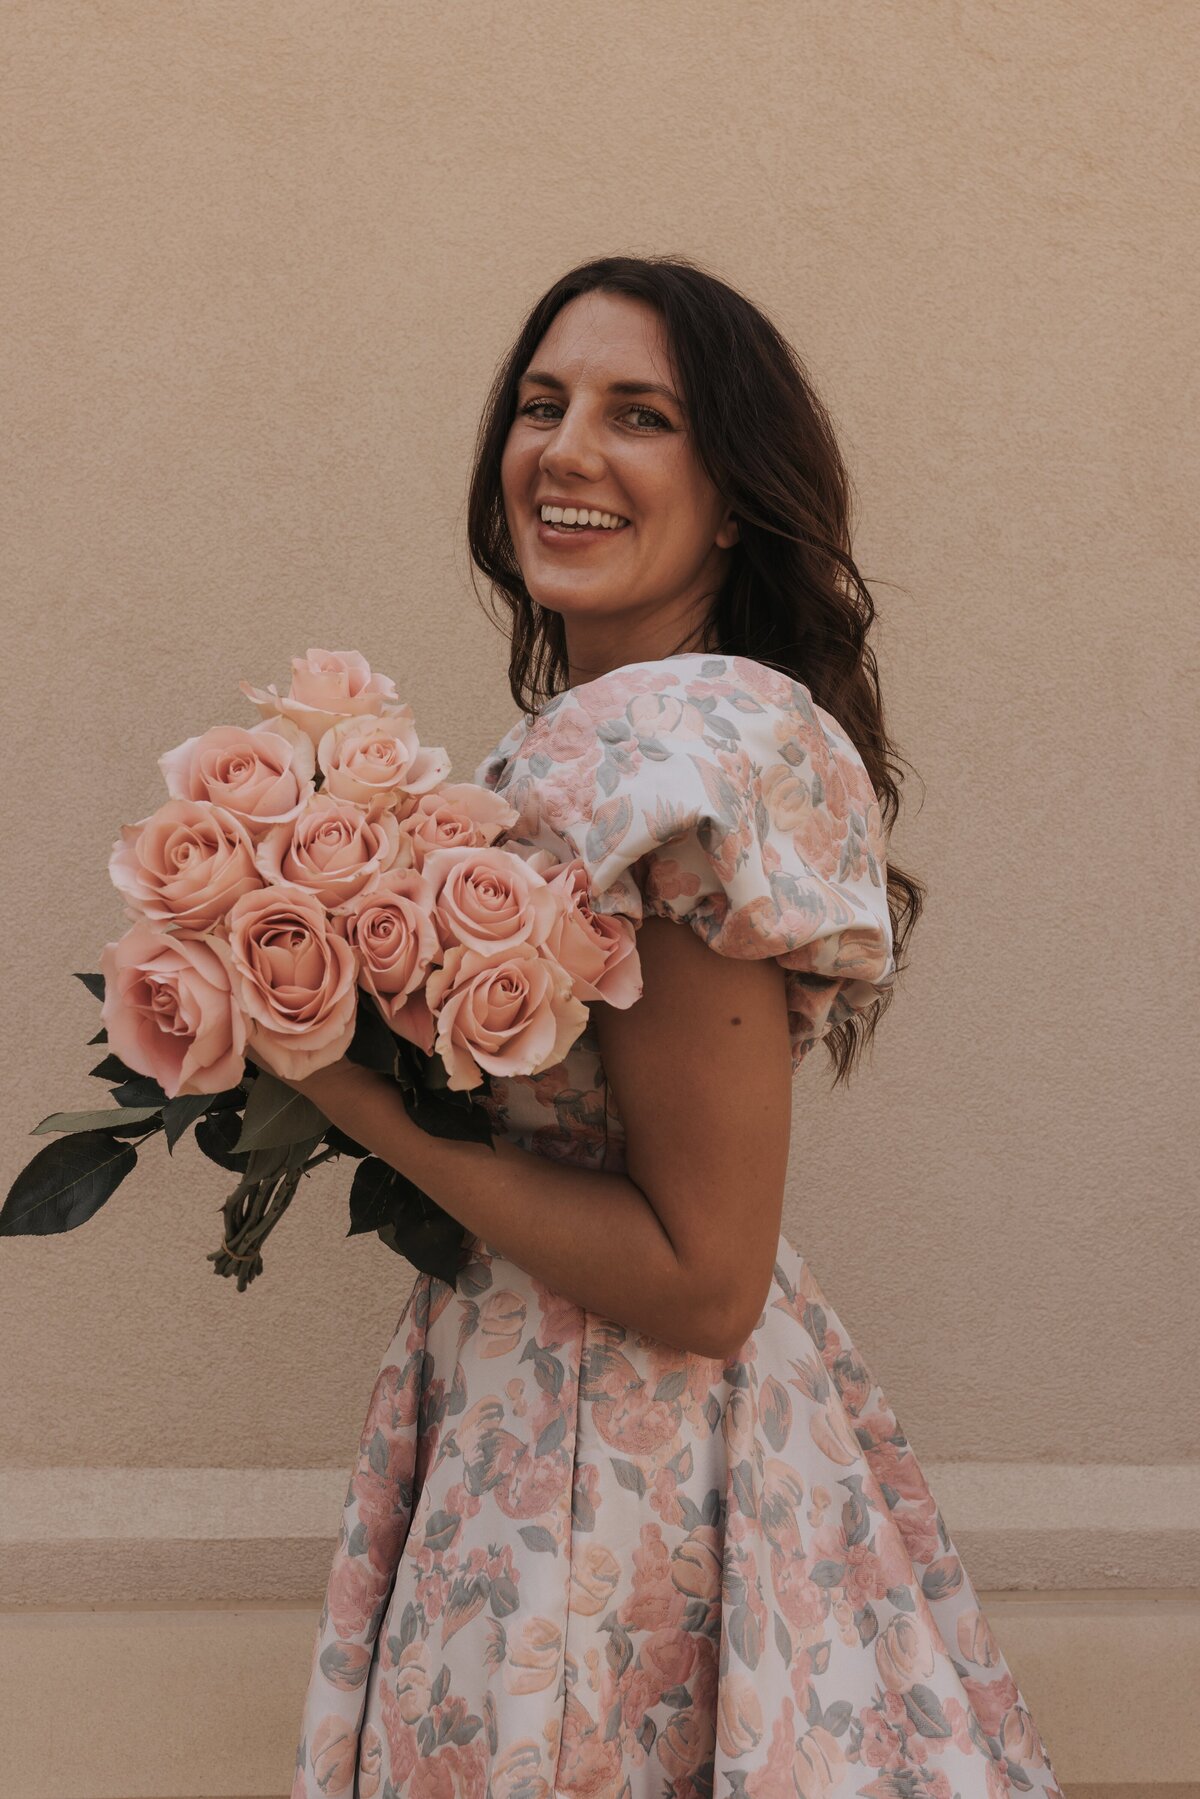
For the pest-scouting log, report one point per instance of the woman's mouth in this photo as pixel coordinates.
(568, 524)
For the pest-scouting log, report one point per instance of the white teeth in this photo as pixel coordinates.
(582, 515)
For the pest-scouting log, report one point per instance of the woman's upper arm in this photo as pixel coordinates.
(700, 1068)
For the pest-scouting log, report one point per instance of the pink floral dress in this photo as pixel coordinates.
(574, 1560)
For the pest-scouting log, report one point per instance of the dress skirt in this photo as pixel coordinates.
(575, 1561)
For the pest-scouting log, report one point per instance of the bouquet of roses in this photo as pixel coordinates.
(314, 887)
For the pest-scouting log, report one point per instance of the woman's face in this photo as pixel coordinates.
(574, 442)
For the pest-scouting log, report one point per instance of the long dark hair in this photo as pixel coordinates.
(793, 597)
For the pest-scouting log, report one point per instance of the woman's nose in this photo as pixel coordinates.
(573, 447)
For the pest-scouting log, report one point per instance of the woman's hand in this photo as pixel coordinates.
(332, 1077)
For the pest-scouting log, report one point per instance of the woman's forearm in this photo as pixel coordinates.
(592, 1236)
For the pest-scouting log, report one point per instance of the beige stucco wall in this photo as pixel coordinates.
(260, 261)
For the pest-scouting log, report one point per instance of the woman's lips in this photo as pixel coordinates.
(581, 534)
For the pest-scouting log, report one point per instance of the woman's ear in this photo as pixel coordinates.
(727, 532)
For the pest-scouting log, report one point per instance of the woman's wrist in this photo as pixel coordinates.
(335, 1080)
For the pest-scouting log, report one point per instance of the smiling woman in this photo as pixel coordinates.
(584, 439)
(630, 1518)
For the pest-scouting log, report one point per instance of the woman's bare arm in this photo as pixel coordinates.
(682, 1246)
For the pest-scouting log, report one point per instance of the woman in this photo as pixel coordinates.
(630, 1517)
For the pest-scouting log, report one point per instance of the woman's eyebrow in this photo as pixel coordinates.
(543, 378)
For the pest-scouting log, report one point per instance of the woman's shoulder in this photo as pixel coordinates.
(692, 704)
(710, 716)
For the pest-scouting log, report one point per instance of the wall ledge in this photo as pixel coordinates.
(116, 1536)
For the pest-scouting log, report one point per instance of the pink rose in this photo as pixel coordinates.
(511, 1012)
(595, 1574)
(459, 815)
(487, 899)
(819, 1763)
(685, 1741)
(669, 1655)
(294, 977)
(598, 951)
(332, 848)
(391, 927)
(739, 1716)
(904, 1653)
(378, 762)
(534, 1656)
(327, 685)
(184, 865)
(170, 1012)
(333, 1752)
(262, 775)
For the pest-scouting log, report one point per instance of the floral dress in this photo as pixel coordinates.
(577, 1561)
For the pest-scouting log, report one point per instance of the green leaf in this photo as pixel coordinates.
(216, 1134)
(406, 1220)
(113, 1069)
(343, 1145)
(276, 1115)
(265, 1164)
(298, 1153)
(671, 1385)
(629, 1475)
(538, 1538)
(551, 1436)
(373, 1045)
(925, 1711)
(441, 1528)
(374, 1196)
(443, 1114)
(435, 1075)
(94, 1121)
(179, 1113)
(93, 982)
(140, 1090)
(65, 1183)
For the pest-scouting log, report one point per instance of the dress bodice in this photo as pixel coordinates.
(713, 790)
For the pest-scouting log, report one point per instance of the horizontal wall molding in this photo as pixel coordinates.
(206, 1701)
(120, 1536)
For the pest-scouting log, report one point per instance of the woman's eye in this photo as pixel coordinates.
(530, 407)
(656, 416)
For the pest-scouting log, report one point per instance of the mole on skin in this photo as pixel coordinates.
(735, 1021)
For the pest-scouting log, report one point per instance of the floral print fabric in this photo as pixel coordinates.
(573, 1560)
(713, 789)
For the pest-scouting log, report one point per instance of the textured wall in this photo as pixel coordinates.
(260, 264)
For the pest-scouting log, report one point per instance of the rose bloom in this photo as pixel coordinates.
(510, 1013)
(327, 685)
(184, 865)
(904, 1653)
(595, 1572)
(534, 1656)
(262, 775)
(295, 979)
(598, 951)
(170, 1011)
(391, 928)
(331, 847)
(333, 1751)
(456, 815)
(379, 762)
(487, 899)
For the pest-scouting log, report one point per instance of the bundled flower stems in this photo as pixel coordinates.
(315, 887)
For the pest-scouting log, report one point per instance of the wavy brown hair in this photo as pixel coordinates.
(793, 597)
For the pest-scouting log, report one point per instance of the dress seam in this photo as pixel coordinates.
(570, 1558)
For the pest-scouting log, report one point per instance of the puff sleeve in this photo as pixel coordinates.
(713, 790)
